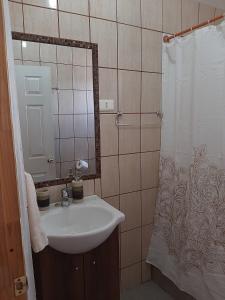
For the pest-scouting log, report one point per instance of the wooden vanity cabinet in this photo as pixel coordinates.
(89, 276)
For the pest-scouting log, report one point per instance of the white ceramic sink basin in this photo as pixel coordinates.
(80, 227)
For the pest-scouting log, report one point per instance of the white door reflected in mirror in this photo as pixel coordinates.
(34, 101)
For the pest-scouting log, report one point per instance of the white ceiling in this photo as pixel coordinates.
(215, 3)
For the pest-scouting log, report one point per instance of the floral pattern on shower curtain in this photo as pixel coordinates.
(188, 239)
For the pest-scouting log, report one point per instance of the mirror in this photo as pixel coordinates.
(57, 87)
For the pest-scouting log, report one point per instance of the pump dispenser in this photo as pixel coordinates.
(77, 183)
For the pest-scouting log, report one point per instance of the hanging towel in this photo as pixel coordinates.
(39, 239)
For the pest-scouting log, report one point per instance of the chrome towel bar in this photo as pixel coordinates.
(120, 114)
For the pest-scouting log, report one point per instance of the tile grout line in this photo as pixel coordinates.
(23, 17)
(118, 133)
(100, 67)
(141, 21)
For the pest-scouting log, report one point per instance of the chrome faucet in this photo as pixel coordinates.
(65, 200)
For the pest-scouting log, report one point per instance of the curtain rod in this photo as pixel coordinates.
(167, 38)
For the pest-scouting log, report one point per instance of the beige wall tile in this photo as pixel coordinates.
(81, 146)
(40, 21)
(89, 187)
(98, 187)
(74, 27)
(206, 12)
(189, 13)
(219, 12)
(80, 126)
(129, 91)
(80, 56)
(55, 192)
(146, 237)
(65, 75)
(89, 79)
(105, 9)
(108, 85)
(129, 172)
(151, 51)
(171, 16)
(105, 34)
(48, 53)
(80, 102)
(78, 6)
(65, 101)
(54, 73)
(151, 92)
(129, 47)
(130, 247)
(148, 205)
(109, 135)
(17, 49)
(55, 109)
(150, 132)
(145, 272)
(110, 176)
(149, 169)
(67, 150)
(152, 14)
(16, 15)
(129, 137)
(64, 55)
(79, 78)
(131, 277)
(31, 51)
(130, 205)
(91, 148)
(90, 102)
(44, 3)
(128, 11)
(114, 201)
(66, 126)
(91, 129)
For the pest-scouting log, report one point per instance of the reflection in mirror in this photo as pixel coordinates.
(56, 108)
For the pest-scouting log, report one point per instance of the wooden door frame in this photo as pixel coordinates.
(11, 250)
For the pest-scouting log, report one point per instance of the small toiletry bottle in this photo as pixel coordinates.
(77, 189)
(43, 198)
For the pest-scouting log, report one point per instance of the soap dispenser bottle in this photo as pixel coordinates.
(77, 183)
(77, 189)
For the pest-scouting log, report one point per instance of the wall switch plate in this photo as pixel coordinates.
(106, 105)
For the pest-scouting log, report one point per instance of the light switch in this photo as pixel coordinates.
(106, 105)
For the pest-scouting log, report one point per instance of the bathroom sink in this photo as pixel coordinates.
(80, 227)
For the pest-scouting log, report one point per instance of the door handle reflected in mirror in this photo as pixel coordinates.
(51, 160)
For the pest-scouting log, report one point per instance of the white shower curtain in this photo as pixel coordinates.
(188, 239)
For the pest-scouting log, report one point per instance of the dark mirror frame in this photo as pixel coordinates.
(78, 44)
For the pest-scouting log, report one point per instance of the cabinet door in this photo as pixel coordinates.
(75, 281)
(102, 270)
(58, 276)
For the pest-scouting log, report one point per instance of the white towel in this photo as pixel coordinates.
(39, 239)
